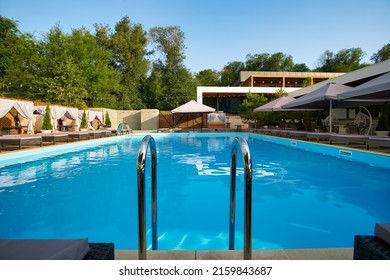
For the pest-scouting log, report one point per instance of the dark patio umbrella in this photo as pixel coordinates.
(377, 89)
(322, 98)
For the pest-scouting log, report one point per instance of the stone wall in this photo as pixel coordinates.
(145, 119)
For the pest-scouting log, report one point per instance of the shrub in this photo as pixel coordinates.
(47, 125)
(84, 121)
(107, 120)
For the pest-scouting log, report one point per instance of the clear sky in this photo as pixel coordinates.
(222, 31)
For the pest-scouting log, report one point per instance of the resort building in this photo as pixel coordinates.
(229, 99)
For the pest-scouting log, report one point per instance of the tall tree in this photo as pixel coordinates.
(230, 73)
(177, 85)
(267, 62)
(346, 60)
(128, 47)
(209, 77)
(382, 54)
(18, 61)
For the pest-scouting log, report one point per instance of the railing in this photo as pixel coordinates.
(141, 163)
(248, 197)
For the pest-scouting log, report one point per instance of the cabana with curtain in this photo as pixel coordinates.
(24, 108)
(91, 115)
(59, 113)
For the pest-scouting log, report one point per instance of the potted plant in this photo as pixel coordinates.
(107, 120)
(84, 125)
(47, 126)
(383, 127)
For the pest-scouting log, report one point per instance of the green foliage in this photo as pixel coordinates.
(83, 123)
(107, 120)
(46, 124)
(171, 82)
(252, 101)
(267, 62)
(208, 77)
(344, 61)
(383, 121)
(113, 69)
(382, 54)
(230, 73)
(280, 92)
(307, 82)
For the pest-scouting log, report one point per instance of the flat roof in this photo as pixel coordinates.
(244, 75)
(362, 75)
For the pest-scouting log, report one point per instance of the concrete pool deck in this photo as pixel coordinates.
(291, 254)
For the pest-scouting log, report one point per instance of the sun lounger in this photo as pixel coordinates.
(20, 140)
(318, 136)
(93, 134)
(54, 137)
(348, 138)
(298, 134)
(60, 249)
(79, 135)
(378, 142)
(106, 132)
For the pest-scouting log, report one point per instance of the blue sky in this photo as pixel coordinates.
(222, 31)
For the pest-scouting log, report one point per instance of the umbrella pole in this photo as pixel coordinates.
(330, 116)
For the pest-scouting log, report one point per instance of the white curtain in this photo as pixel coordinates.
(24, 108)
(60, 112)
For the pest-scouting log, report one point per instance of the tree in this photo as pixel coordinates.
(346, 60)
(280, 92)
(266, 62)
(107, 120)
(46, 124)
(252, 101)
(176, 85)
(18, 61)
(83, 123)
(382, 54)
(208, 77)
(128, 48)
(230, 73)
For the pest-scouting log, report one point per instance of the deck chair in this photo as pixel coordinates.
(362, 123)
(326, 123)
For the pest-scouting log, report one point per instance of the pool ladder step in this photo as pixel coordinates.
(148, 141)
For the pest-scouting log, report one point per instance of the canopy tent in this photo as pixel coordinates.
(59, 112)
(91, 115)
(321, 98)
(25, 109)
(275, 105)
(377, 89)
(193, 107)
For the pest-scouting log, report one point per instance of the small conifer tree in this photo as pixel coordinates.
(47, 125)
(84, 121)
(107, 120)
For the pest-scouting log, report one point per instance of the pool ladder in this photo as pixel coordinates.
(141, 162)
(147, 141)
(246, 156)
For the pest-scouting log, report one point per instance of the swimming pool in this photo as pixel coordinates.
(301, 199)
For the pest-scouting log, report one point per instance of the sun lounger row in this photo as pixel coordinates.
(332, 138)
(22, 140)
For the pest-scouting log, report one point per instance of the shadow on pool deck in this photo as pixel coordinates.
(298, 254)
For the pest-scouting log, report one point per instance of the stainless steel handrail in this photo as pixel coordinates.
(248, 197)
(141, 163)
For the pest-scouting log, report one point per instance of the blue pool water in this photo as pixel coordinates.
(300, 199)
